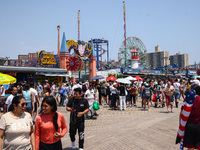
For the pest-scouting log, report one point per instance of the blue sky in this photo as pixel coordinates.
(31, 25)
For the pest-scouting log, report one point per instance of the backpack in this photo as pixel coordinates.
(102, 89)
(132, 91)
(84, 88)
(108, 90)
(147, 93)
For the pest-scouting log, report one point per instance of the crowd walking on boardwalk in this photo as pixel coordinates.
(24, 126)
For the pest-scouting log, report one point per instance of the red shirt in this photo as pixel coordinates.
(44, 128)
(195, 112)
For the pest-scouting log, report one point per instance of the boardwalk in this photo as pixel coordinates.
(133, 129)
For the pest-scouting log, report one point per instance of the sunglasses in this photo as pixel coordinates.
(24, 104)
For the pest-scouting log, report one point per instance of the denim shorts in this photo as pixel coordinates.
(56, 95)
(29, 107)
(177, 94)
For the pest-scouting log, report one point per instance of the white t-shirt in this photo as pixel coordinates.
(111, 86)
(17, 130)
(113, 90)
(53, 88)
(176, 85)
(140, 84)
(3, 94)
(77, 86)
(9, 101)
(34, 92)
(89, 94)
(196, 82)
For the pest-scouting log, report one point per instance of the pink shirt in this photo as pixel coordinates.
(44, 128)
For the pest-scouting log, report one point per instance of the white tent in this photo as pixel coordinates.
(130, 78)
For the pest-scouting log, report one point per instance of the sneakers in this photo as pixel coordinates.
(73, 145)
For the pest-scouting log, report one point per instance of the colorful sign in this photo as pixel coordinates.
(71, 44)
(46, 58)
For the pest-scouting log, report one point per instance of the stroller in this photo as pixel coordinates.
(162, 100)
(91, 111)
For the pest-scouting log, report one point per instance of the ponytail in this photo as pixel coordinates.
(55, 118)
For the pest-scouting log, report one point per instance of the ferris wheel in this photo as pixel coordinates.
(132, 43)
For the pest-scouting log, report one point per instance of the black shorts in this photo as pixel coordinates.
(35, 104)
(103, 94)
(53, 146)
(192, 135)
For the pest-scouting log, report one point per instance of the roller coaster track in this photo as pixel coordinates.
(104, 51)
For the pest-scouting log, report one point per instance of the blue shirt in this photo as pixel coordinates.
(39, 88)
(65, 91)
(27, 96)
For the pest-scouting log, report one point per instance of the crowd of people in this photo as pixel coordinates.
(21, 107)
(17, 130)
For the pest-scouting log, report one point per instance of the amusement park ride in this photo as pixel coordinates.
(128, 45)
(75, 55)
(132, 43)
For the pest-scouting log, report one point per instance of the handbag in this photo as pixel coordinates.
(126, 93)
(96, 106)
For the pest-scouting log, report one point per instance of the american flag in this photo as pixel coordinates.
(189, 100)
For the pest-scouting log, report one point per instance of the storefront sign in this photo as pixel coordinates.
(46, 58)
(145, 71)
(12, 74)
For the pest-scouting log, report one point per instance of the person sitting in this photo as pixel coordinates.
(159, 99)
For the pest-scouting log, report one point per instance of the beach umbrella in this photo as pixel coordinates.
(122, 80)
(131, 78)
(97, 77)
(138, 78)
(111, 78)
(7, 79)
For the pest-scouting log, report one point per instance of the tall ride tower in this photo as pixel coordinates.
(64, 54)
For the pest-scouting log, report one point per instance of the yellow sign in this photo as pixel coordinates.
(46, 58)
(70, 43)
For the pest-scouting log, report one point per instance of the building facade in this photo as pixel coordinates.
(158, 58)
(182, 60)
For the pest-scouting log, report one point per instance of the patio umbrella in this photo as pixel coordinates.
(122, 80)
(131, 78)
(138, 78)
(111, 78)
(7, 79)
(97, 77)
